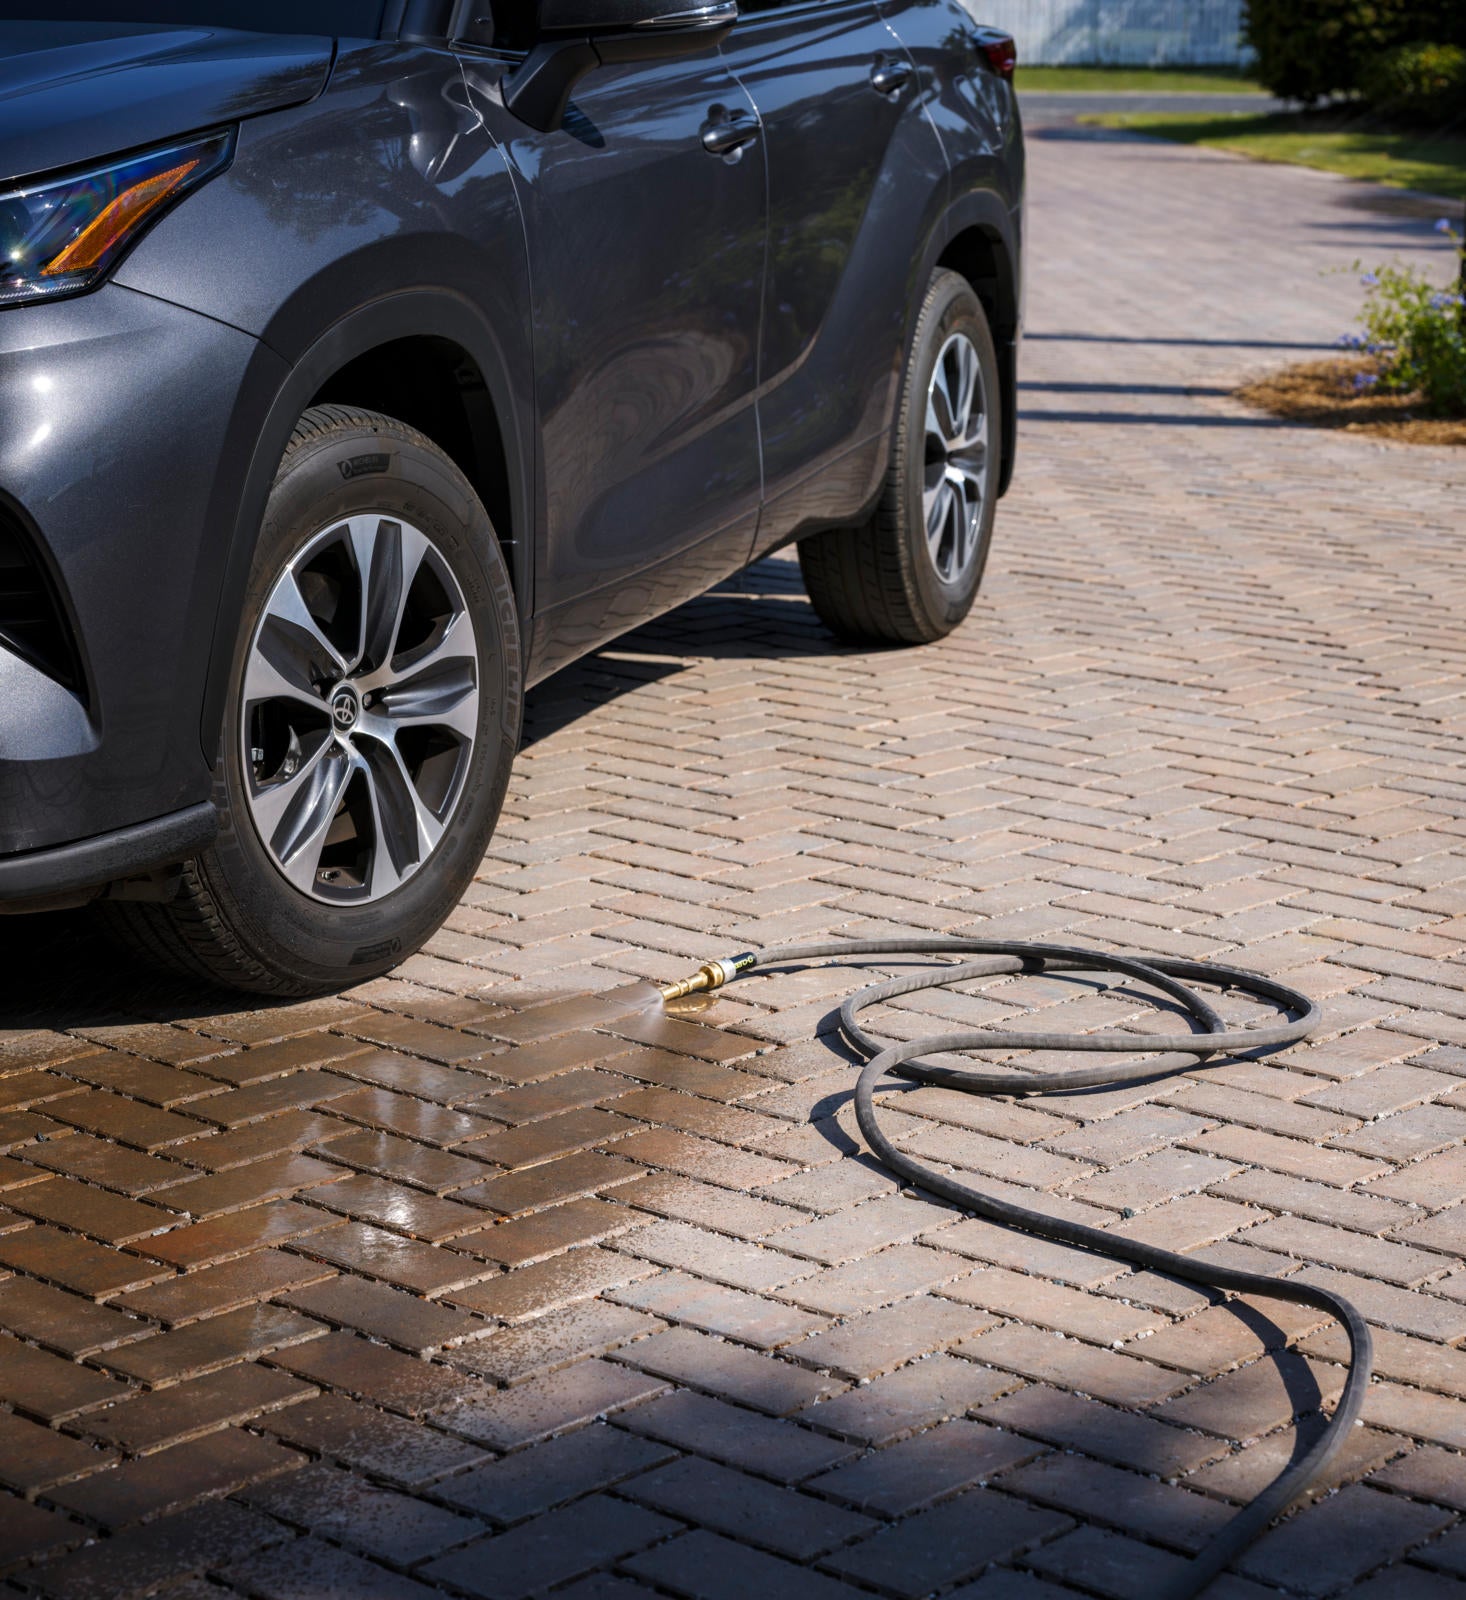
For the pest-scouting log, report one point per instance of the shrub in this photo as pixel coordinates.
(1312, 49)
(1418, 83)
(1417, 332)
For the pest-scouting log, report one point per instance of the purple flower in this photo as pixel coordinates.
(1370, 280)
(1445, 302)
(1365, 380)
(1350, 341)
(1444, 226)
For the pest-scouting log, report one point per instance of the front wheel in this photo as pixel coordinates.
(371, 723)
(911, 573)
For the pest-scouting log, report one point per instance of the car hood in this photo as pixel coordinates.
(73, 92)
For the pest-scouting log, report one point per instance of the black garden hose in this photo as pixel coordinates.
(1160, 1054)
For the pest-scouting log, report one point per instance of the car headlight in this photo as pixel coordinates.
(60, 235)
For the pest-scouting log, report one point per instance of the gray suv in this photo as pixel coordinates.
(362, 362)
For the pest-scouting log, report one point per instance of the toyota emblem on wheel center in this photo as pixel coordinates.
(344, 708)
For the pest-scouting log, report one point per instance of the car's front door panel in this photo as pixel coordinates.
(855, 175)
(646, 258)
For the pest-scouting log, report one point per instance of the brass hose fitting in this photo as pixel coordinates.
(710, 975)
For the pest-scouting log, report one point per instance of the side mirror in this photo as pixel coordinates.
(573, 37)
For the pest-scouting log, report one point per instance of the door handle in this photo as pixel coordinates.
(723, 135)
(890, 77)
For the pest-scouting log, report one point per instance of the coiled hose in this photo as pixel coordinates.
(1161, 1054)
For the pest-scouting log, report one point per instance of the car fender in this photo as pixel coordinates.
(988, 211)
(241, 495)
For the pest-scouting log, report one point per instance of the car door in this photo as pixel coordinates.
(856, 175)
(645, 217)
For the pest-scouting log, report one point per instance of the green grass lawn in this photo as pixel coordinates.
(1154, 80)
(1334, 142)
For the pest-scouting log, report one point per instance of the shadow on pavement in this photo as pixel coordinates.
(758, 614)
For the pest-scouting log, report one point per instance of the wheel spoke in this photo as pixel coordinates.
(454, 646)
(291, 658)
(964, 388)
(406, 829)
(935, 503)
(939, 422)
(441, 696)
(303, 807)
(971, 461)
(388, 555)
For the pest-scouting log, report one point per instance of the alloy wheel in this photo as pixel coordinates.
(359, 709)
(954, 484)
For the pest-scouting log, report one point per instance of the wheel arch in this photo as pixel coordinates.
(430, 359)
(976, 237)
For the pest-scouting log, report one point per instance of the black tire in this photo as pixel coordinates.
(880, 583)
(236, 919)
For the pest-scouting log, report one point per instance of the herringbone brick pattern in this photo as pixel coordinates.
(489, 1280)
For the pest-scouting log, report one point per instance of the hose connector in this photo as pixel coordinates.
(710, 975)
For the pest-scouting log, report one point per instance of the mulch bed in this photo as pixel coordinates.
(1321, 393)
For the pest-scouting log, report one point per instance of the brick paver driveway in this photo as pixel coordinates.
(464, 1285)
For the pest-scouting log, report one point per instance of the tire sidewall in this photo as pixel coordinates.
(320, 484)
(951, 307)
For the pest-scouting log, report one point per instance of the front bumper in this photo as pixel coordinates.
(65, 872)
(119, 423)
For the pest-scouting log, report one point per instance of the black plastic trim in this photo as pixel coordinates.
(90, 863)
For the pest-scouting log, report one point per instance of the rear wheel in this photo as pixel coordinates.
(911, 573)
(372, 719)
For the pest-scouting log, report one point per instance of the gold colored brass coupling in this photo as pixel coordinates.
(710, 975)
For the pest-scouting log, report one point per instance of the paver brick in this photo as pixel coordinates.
(142, 1560)
(560, 1469)
(234, 1394)
(276, 1177)
(351, 1365)
(948, 1543)
(34, 1457)
(704, 1204)
(214, 1342)
(728, 1371)
(1125, 1438)
(309, 1567)
(1054, 1358)
(705, 1566)
(926, 1392)
(1255, 1399)
(45, 1387)
(65, 1322)
(1340, 1538)
(74, 1263)
(236, 1233)
(174, 1299)
(380, 1522)
(79, 1206)
(380, 1311)
(547, 1285)
(925, 1467)
(1168, 1513)
(360, 1436)
(743, 1266)
(99, 1161)
(773, 1447)
(176, 1477)
(549, 1404)
(557, 1339)
(799, 1527)
(714, 1308)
